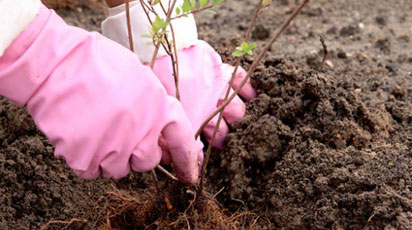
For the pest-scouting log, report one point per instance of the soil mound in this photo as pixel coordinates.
(316, 150)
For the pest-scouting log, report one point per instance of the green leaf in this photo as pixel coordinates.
(209, 11)
(203, 3)
(244, 46)
(247, 47)
(251, 46)
(238, 53)
(267, 2)
(155, 2)
(193, 3)
(147, 36)
(158, 24)
(243, 49)
(217, 2)
(186, 7)
(177, 11)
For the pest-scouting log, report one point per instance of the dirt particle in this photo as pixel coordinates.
(392, 67)
(381, 20)
(384, 45)
(342, 55)
(260, 32)
(349, 30)
(398, 91)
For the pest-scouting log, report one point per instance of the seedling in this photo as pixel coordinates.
(244, 48)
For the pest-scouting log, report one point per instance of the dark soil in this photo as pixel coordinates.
(326, 148)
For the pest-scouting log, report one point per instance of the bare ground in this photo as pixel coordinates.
(319, 148)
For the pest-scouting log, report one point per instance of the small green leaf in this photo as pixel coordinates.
(160, 23)
(251, 46)
(157, 25)
(177, 11)
(155, 2)
(267, 2)
(244, 46)
(209, 11)
(217, 2)
(238, 53)
(203, 3)
(193, 3)
(186, 7)
(147, 36)
(243, 49)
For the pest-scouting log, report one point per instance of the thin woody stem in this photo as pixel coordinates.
(212, 141)
(253, 67)
(129, 26)
(192, 12)
(160, 168)
(173, 55)
(129, 30)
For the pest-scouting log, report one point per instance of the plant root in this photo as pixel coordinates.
(60, 222)
(120, 209)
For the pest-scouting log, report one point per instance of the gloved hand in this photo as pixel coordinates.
(99, 106)
(203, 82)
(203, 78)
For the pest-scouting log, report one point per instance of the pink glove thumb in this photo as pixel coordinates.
(99, 106)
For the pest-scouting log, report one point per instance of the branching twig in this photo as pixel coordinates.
(145, 8)
(157, 46)
(253, 66)
(192, 12)
(173, 55)
(212, 141)
(129, 30)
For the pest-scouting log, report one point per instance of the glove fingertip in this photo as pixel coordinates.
(248, 92)
(187, 170)
(220, 135)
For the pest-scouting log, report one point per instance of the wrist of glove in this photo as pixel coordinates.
(99, 106)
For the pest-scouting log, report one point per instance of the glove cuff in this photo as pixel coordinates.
(20, 77)
(15, 16)
(115, 28)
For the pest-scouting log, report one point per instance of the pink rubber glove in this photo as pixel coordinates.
(203, 81)
(99, 106)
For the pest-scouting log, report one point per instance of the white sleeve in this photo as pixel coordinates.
(115, 28)
(15, 16)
